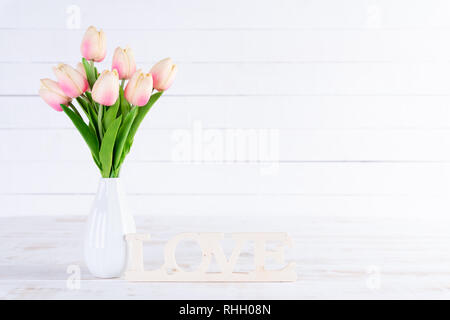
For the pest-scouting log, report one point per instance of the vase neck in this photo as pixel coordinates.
(110, 185)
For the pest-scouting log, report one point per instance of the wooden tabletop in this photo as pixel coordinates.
(343, 258)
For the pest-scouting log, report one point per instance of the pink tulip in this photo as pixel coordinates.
(70, 80)
(163, 74)
(123, 62)
(80, 69)
(106, 88)
(139, 88)
(93, 46)
(52, 94)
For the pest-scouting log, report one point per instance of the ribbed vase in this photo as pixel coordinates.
(105, 249)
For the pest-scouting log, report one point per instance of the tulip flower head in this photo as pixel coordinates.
(123, 62)
(51, 93)
(163, 74)
(93, 45)
(139, 88)
(80, 69)
(72, 82)
(106, 88)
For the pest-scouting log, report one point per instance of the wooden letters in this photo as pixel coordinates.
(210, 244)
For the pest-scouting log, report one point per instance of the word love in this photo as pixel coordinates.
(210, 244)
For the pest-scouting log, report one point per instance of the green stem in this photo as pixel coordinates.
(85, 98)
(75, 109)
(122, 83)
(100, 126)
(88, 96)
(94, 70)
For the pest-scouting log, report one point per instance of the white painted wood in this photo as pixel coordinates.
(348, 84)
(354, 80)
(423, 78)
(213, 179)
(255, 45)
(210, 244)
(235, 205)
(198, 145)
(340, 258)
(161, 14)
(283, 112)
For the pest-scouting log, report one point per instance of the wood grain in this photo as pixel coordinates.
(236, 205)
(228, 45)
(234, 178)
(281, 112)
(359, 258)
(231, 14)
(358, 91)
(279, 79)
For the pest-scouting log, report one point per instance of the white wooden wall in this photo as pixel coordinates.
(357, 93)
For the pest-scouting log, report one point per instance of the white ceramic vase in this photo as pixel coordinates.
(105, 249)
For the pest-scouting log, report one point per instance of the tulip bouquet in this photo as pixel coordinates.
(112, 109)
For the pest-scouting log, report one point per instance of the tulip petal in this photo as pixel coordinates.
(123, 62)
(163, 74)
(139, 88)
(106, 88)
(93, 45)
(72, 82)
(52, 94)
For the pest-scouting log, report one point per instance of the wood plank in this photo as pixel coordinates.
(275, 79)
(162, 14)
(358, 258)
(199, 145)
(290, 112)
(256, 206)
(215, 179)
(260, 45)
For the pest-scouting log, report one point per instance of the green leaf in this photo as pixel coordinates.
(110, 114)
(90, 72)
(86, 133)
(85, 105)
(107, 147)
(139, 117)
(122, 136)
(124, 105)
(97, 163)
(88, 95)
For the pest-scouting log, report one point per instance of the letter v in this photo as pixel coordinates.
(210, 244)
